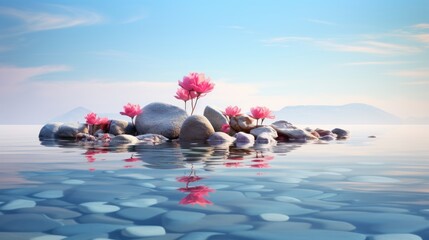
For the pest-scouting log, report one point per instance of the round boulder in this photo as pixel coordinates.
(118, 127)
(264, 129)
(49, 131)
(68, 131)
(341, 133)
(196, 128)
(161, 118)
(215, 117)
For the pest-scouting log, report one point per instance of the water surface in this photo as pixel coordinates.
(360, 188)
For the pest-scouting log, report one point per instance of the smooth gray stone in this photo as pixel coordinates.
(161, 118)
(49, 131)
(88, 236)
(118, 127)
(299, 234)
(105, 193)
(69, 131)
(26, 222)
(215, 117)
(55, 203)
(124, 139)
(397, 236)
(98, 207)
(102, 218)
(196, 128)
(17, 204)
(70, 230)
(274, 217)
(329, 224)
(142, 202)
(143, 231)
(199, 235)
(341, 133)
(52, 212)
(380, 222)
(50, 194)
(174, 217)
(140, 214)
(47, 237)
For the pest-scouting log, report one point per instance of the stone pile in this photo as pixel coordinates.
(161, 122)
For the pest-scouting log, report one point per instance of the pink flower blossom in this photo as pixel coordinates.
(226, 128)
(185, 95)
(91, 118)
(196, 195)
(102, 121)
(261, 113)
(197, 82)
(131, 110)
(189, 81)
(231, 111)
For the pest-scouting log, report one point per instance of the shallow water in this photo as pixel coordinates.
(361, 188)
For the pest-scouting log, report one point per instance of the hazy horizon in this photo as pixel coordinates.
(55, 56)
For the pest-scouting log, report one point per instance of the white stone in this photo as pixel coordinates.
(274, 217)
(143, 231)
(98, 207)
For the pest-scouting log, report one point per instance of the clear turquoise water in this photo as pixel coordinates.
(361, 188)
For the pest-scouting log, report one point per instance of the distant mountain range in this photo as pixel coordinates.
(354, 113)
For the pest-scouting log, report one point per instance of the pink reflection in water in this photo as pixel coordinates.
(196, 195)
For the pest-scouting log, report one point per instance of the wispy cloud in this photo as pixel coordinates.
(424, 38)
(419, 82)
(415, 73)
(421, 26)
(374, 63)
(318, 21)
(64, 17)
(15, 74)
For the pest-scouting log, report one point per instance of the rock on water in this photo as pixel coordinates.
(67, 131)
(118, 127)
(341, 133)
(264, 129)
(220, 137)
(244, 138)
(49, 130)
(196, 128)
(161, 118)
(242, 123)
(124, 139)
(215, 117)
(286, 129)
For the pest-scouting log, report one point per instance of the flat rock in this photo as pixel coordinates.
(140, 214)
(151, 139)
(26, 222)
(329, 224)
(102, 218)
(50, 194)
(196, 128)
(105, 193)
(52, 212)
(242, 123)
(215, 117)
(49, 237)
(264, 129)
(143, 231)
(142, 202)
(17, 204)
(274, 217)
(86, 228)
(124, 139)
(397, 236)
(299, 234)
(98, 207)
(161, 118)
(380, 222)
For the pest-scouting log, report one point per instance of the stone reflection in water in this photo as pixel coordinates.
(196, 194)
(167, 155)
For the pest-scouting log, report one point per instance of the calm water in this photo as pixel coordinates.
(361, 188)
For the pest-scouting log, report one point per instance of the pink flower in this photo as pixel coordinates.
(231, 111)
(225, 128)
(102, 121)
(185, 95)
(91, 118)
(261, 113)
(131, 110)
(197, 82)
(196, 195)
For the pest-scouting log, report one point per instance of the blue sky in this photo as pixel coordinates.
(55, 56)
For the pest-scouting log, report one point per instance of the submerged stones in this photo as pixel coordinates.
(161, 118)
